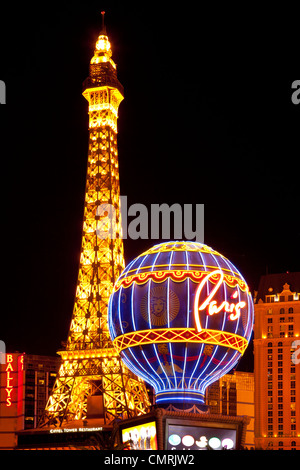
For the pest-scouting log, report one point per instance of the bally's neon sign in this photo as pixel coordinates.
(9, 387)
(234, 309)
(14, 378)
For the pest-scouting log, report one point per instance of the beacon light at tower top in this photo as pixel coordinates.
(181, 316)
(103, 51)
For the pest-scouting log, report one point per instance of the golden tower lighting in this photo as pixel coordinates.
(91, 365)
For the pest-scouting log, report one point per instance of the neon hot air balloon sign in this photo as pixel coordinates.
(181, 316)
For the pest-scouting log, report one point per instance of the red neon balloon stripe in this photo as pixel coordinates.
(178, 276)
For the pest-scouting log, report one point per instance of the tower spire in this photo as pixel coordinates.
(103, 29)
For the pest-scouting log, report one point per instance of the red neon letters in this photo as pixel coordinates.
(211, 305)
(9, 387)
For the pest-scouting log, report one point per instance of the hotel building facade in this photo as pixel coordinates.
(277, 362)
(233, 395)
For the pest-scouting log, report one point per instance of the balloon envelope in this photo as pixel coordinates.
(181, 316)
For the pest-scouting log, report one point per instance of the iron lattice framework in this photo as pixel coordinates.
(90, 364)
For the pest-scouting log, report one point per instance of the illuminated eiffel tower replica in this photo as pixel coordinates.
(91, 372)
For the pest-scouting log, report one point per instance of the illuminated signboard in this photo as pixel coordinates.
(14, 379)
(9, 378)
(181, 316)
(141, 437)
(9, 387)
(72, 430)
(200, 438)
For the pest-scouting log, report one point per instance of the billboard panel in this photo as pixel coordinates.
(141, 437)
(180, 437)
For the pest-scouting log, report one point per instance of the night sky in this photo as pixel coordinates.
(207, 118)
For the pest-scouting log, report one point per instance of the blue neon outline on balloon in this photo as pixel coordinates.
(154, 345)
(193, 380)
(130, 349)
(188, 297)
(202, 344)
(188, 321)
(201, 380)
(149, 322)
(239, 292)
(131, 366)
(204, 382)
(168, 314)
(111, 326)
(131, 308)
(249, 324)
(234, 359)
(146, 375)
(158, 376)
(119, 310)
(249, 319)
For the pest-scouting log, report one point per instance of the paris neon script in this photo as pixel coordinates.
(213, 308)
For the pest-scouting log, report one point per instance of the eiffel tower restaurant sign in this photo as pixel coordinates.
(181, 316)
